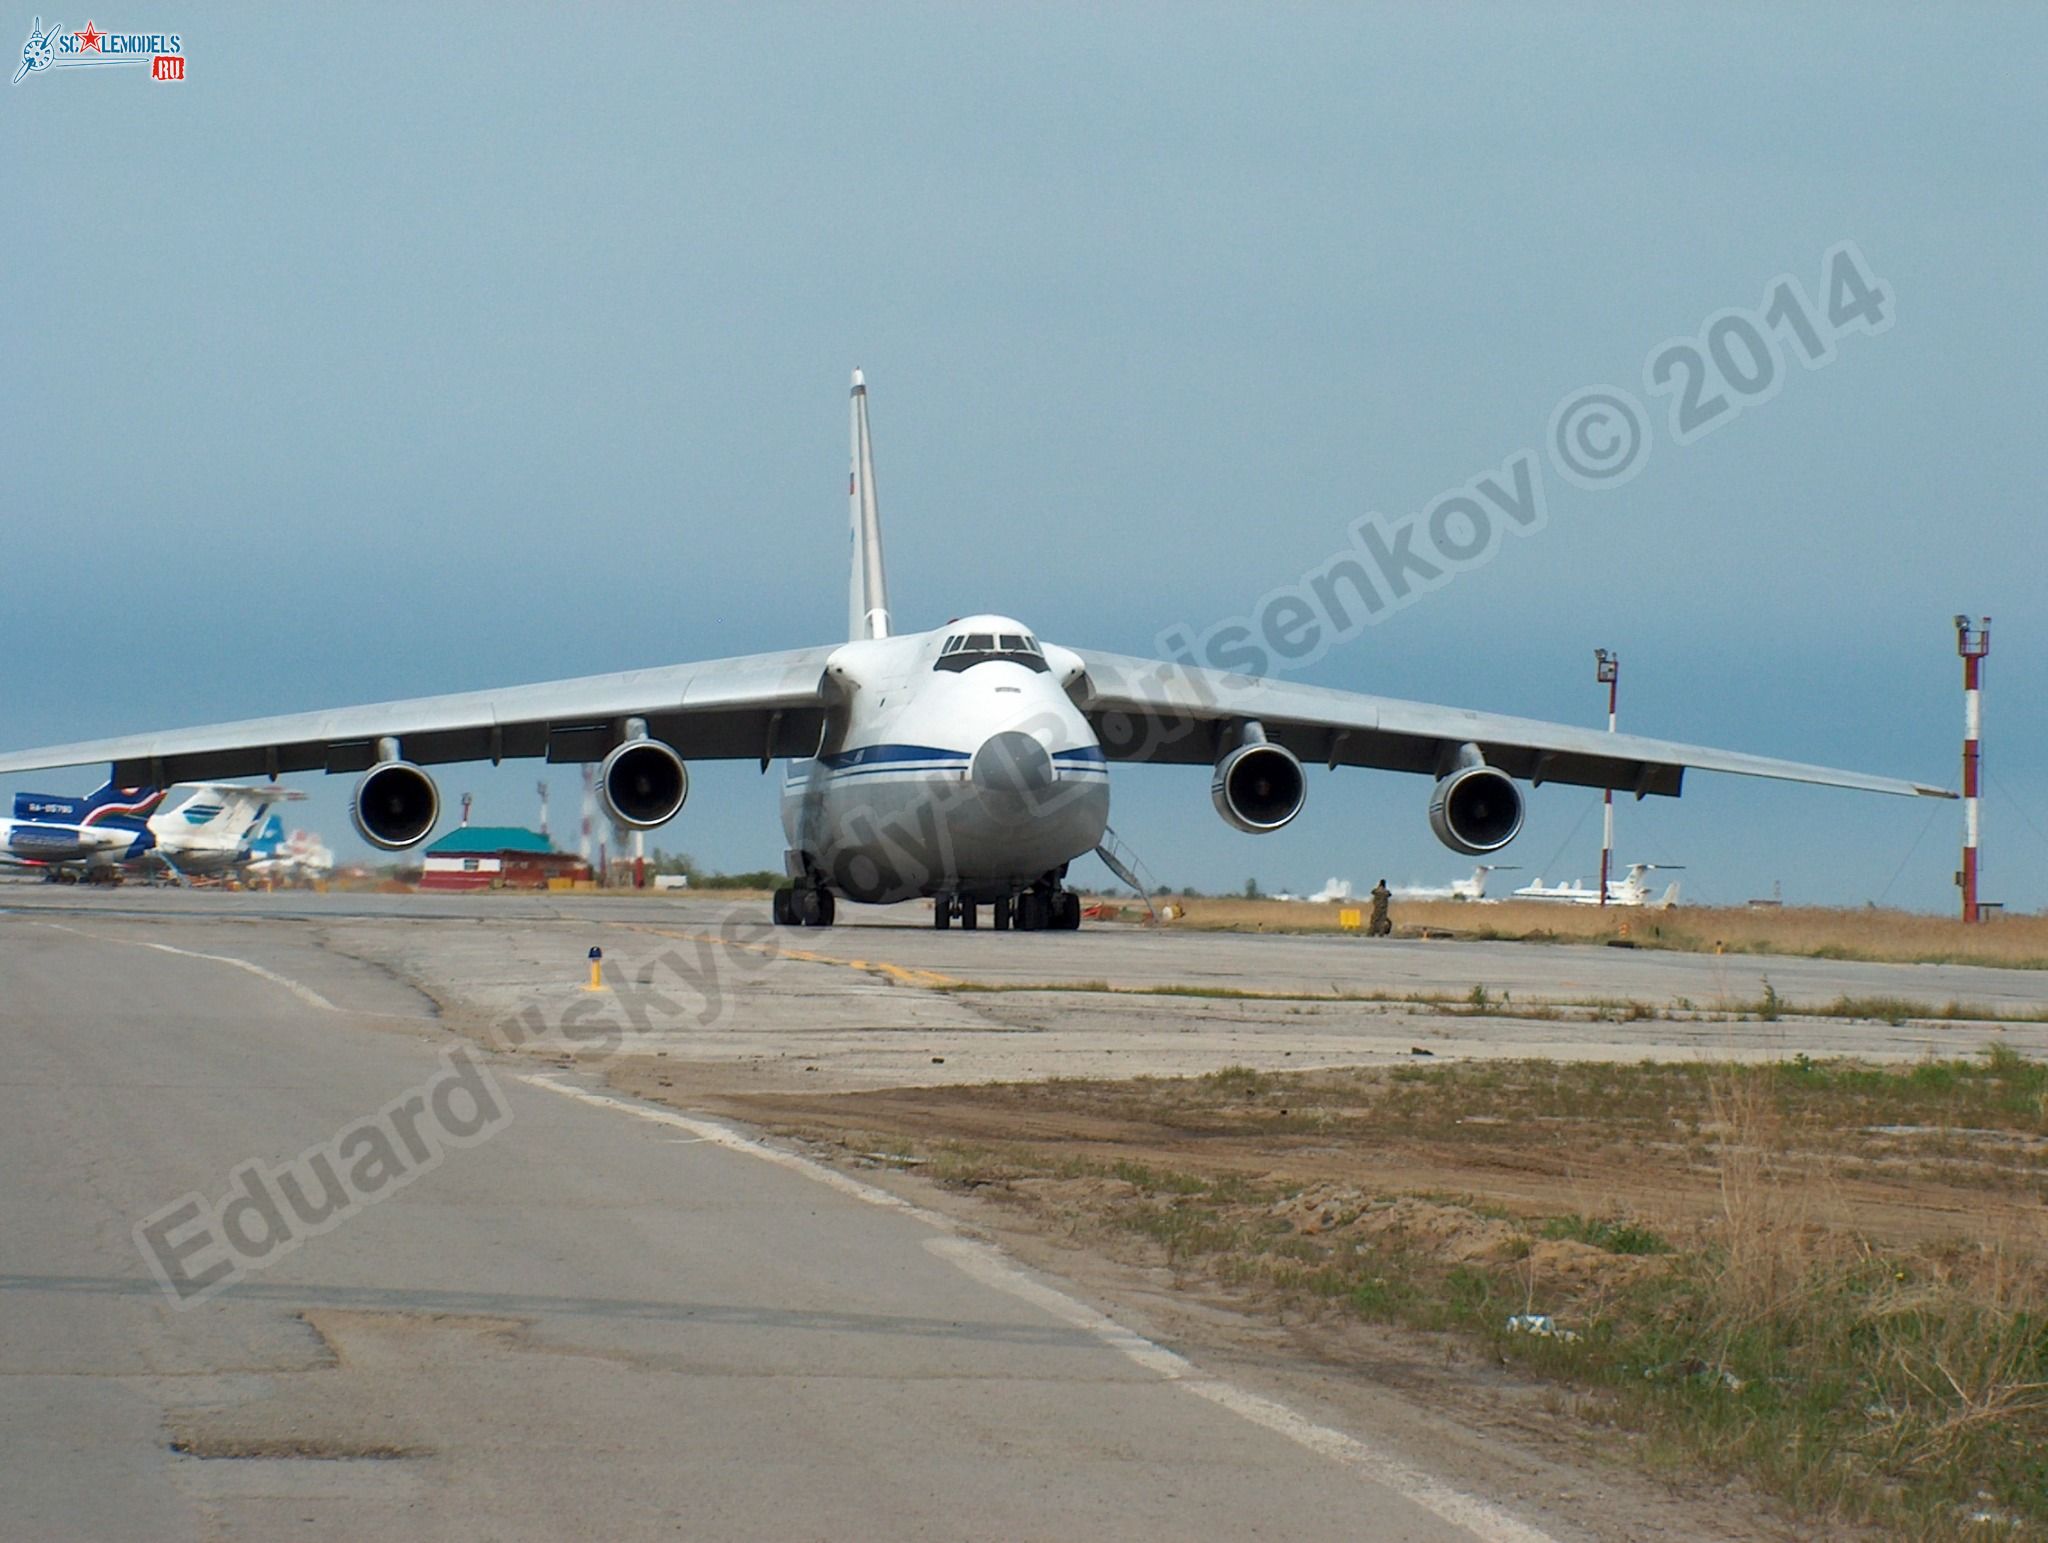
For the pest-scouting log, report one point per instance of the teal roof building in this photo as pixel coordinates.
(477, 840)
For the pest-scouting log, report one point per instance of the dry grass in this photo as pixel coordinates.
(2018, 941)
(1829, 1277)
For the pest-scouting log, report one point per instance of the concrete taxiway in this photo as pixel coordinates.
(600, 1318)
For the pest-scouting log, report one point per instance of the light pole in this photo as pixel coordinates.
(1607, 670)
(1972, 644)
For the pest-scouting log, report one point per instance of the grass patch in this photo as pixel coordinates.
(1864, 1379)
(1814, 932)
(1616, 1235)
(1480, 1002)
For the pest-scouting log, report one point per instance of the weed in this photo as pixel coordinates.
(1617, 1236)
(1236, 1081)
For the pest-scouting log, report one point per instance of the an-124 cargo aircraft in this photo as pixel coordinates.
(968, 764)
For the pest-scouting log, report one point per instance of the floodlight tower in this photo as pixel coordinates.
(1607, 670)
(1972, 644)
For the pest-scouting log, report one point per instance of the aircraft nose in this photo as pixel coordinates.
(1012, 762)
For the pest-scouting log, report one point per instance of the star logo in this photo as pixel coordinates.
(89, 39)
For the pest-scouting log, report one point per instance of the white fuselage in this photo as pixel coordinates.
(1472, 889)
(202, 852)
(209, 831)
(1633, 890)
(969, 772)
(42, 844)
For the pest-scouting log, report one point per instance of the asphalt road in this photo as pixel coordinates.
(539, 1312)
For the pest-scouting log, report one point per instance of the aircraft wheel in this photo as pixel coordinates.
(1000, 914)
(942, 911)
(783, 907)
(809, 912)
(1066, 911)
(1031, 912)
(827, 907)
(970, 916)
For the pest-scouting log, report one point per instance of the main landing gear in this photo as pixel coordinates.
(802, 905)
(1045, 907)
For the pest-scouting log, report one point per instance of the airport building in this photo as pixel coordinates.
(499, 857)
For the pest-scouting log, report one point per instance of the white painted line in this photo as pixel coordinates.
(726, 1136)
(988, 1265)
(1476, 1516)
(305, 994)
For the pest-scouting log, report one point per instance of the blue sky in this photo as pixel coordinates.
(413, 349)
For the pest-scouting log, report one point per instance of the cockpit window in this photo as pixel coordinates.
(963, 651)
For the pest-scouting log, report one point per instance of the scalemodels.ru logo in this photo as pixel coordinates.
(57, 50)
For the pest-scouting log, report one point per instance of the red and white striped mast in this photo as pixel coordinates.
(1607, 670)
(1972, 643)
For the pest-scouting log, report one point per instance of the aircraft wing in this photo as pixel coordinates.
(258, 793)
(760, 706)
(1161, 711)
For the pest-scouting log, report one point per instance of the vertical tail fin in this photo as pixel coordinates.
(870, 600)
(110, 801)
(222, 808)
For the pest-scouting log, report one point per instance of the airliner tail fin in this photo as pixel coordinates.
(870, 599)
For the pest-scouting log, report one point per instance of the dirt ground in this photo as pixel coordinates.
(1905, 1184)
(1254, 1195)
(2017, 941)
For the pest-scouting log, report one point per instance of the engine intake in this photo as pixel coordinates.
(644, 783)
(1259, 787)
(395, 806)
(1476, 810)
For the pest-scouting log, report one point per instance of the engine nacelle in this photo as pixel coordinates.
(1476, 810)
(395, 806)
(643, 783)
(1259, 787)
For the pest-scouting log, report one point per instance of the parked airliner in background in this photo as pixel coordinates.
(205, 831)
(969, 763)
(1632, 889)
(300, 858)
(210, 831)
(69, 837)
(1473, 889)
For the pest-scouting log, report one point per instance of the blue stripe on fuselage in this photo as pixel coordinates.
(870, 760)
(871, 755)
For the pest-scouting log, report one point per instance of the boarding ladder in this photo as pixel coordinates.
(1120, 860)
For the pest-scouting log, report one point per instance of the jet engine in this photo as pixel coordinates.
(644, 783)
(1259, 787)
(1476, 809)
(395, 806)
